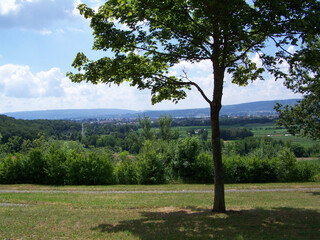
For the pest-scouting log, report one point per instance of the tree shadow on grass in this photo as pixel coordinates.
(191, 223)
(315, 193)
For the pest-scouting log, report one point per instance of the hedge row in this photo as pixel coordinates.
(151, 166)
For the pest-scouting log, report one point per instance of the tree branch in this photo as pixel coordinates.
(185, 84)
(279, 45)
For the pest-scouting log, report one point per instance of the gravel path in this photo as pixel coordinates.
(13, 205)
(161, 191)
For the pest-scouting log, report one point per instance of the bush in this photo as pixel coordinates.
(12, 169)
(262, 170)
(203, 168)
(287, 166)
(56, 169)
(126, 170)
(151, 166)
(187, 152)
(35, 167)
(89, 170)
(283, 168)
(237, 169)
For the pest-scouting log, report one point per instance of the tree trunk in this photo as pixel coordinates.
(219, 201)
(215, 106)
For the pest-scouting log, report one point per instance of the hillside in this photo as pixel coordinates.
(261, 108)
(32, 129)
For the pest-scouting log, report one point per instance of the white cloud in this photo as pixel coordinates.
(201, 73)
(35, 14)
(21, 89)
(45, 32)
(75, 11)
(202, 67)
(291, 49)
(8, 7)
(19, 82)
(258, 90)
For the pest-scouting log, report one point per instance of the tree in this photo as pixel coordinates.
(304, 118)
(147, 37)
(145, 124)
(166, 132)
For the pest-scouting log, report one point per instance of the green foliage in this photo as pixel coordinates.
(127, 171)
(145, 124)
(56, 168)
(151, 165)
(203, 168)
(283, 168)
(32, 129)
(166, 132)
(304, 118)
(133, 142)
(35, 166)
(188, 150)
(13, 145)
(235, 133)
(89, 169)
(12, 169)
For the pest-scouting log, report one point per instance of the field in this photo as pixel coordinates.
(259, 130)
(70, 213)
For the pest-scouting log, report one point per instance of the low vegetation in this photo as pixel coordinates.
(150, 153)
(182, 215)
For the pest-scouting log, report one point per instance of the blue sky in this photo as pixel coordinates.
(38, 42)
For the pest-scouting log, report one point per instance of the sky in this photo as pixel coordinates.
(39, 40)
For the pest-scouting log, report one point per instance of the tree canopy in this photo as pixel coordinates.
(145, 38)
(304, 117)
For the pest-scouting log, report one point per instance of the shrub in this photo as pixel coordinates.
(187, 152)
(203, 168)
(262, 170)
(56, 169)
(35, 166)
(12, 169)
(307, 171)
(151, 166)
(89, 170)
(126, 170)
(237, 169)
(287, 166)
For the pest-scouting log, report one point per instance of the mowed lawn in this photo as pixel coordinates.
(167, 215)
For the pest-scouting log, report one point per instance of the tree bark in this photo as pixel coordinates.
(219, 201)
(215, 106)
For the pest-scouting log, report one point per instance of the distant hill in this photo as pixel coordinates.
(70, 114)
(261, 108)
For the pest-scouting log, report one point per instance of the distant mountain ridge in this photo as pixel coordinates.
(260, 108)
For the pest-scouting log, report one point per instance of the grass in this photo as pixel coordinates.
(251, 215)
(259, 130)
(280, 134)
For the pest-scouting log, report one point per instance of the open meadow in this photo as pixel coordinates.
(258, 130)
(281, 211)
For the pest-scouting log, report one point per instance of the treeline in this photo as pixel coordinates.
(224, 121)
(187, 160)
(268, 147)
(130, 137)
(16, 133)
(32, 129)
(140, 154)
